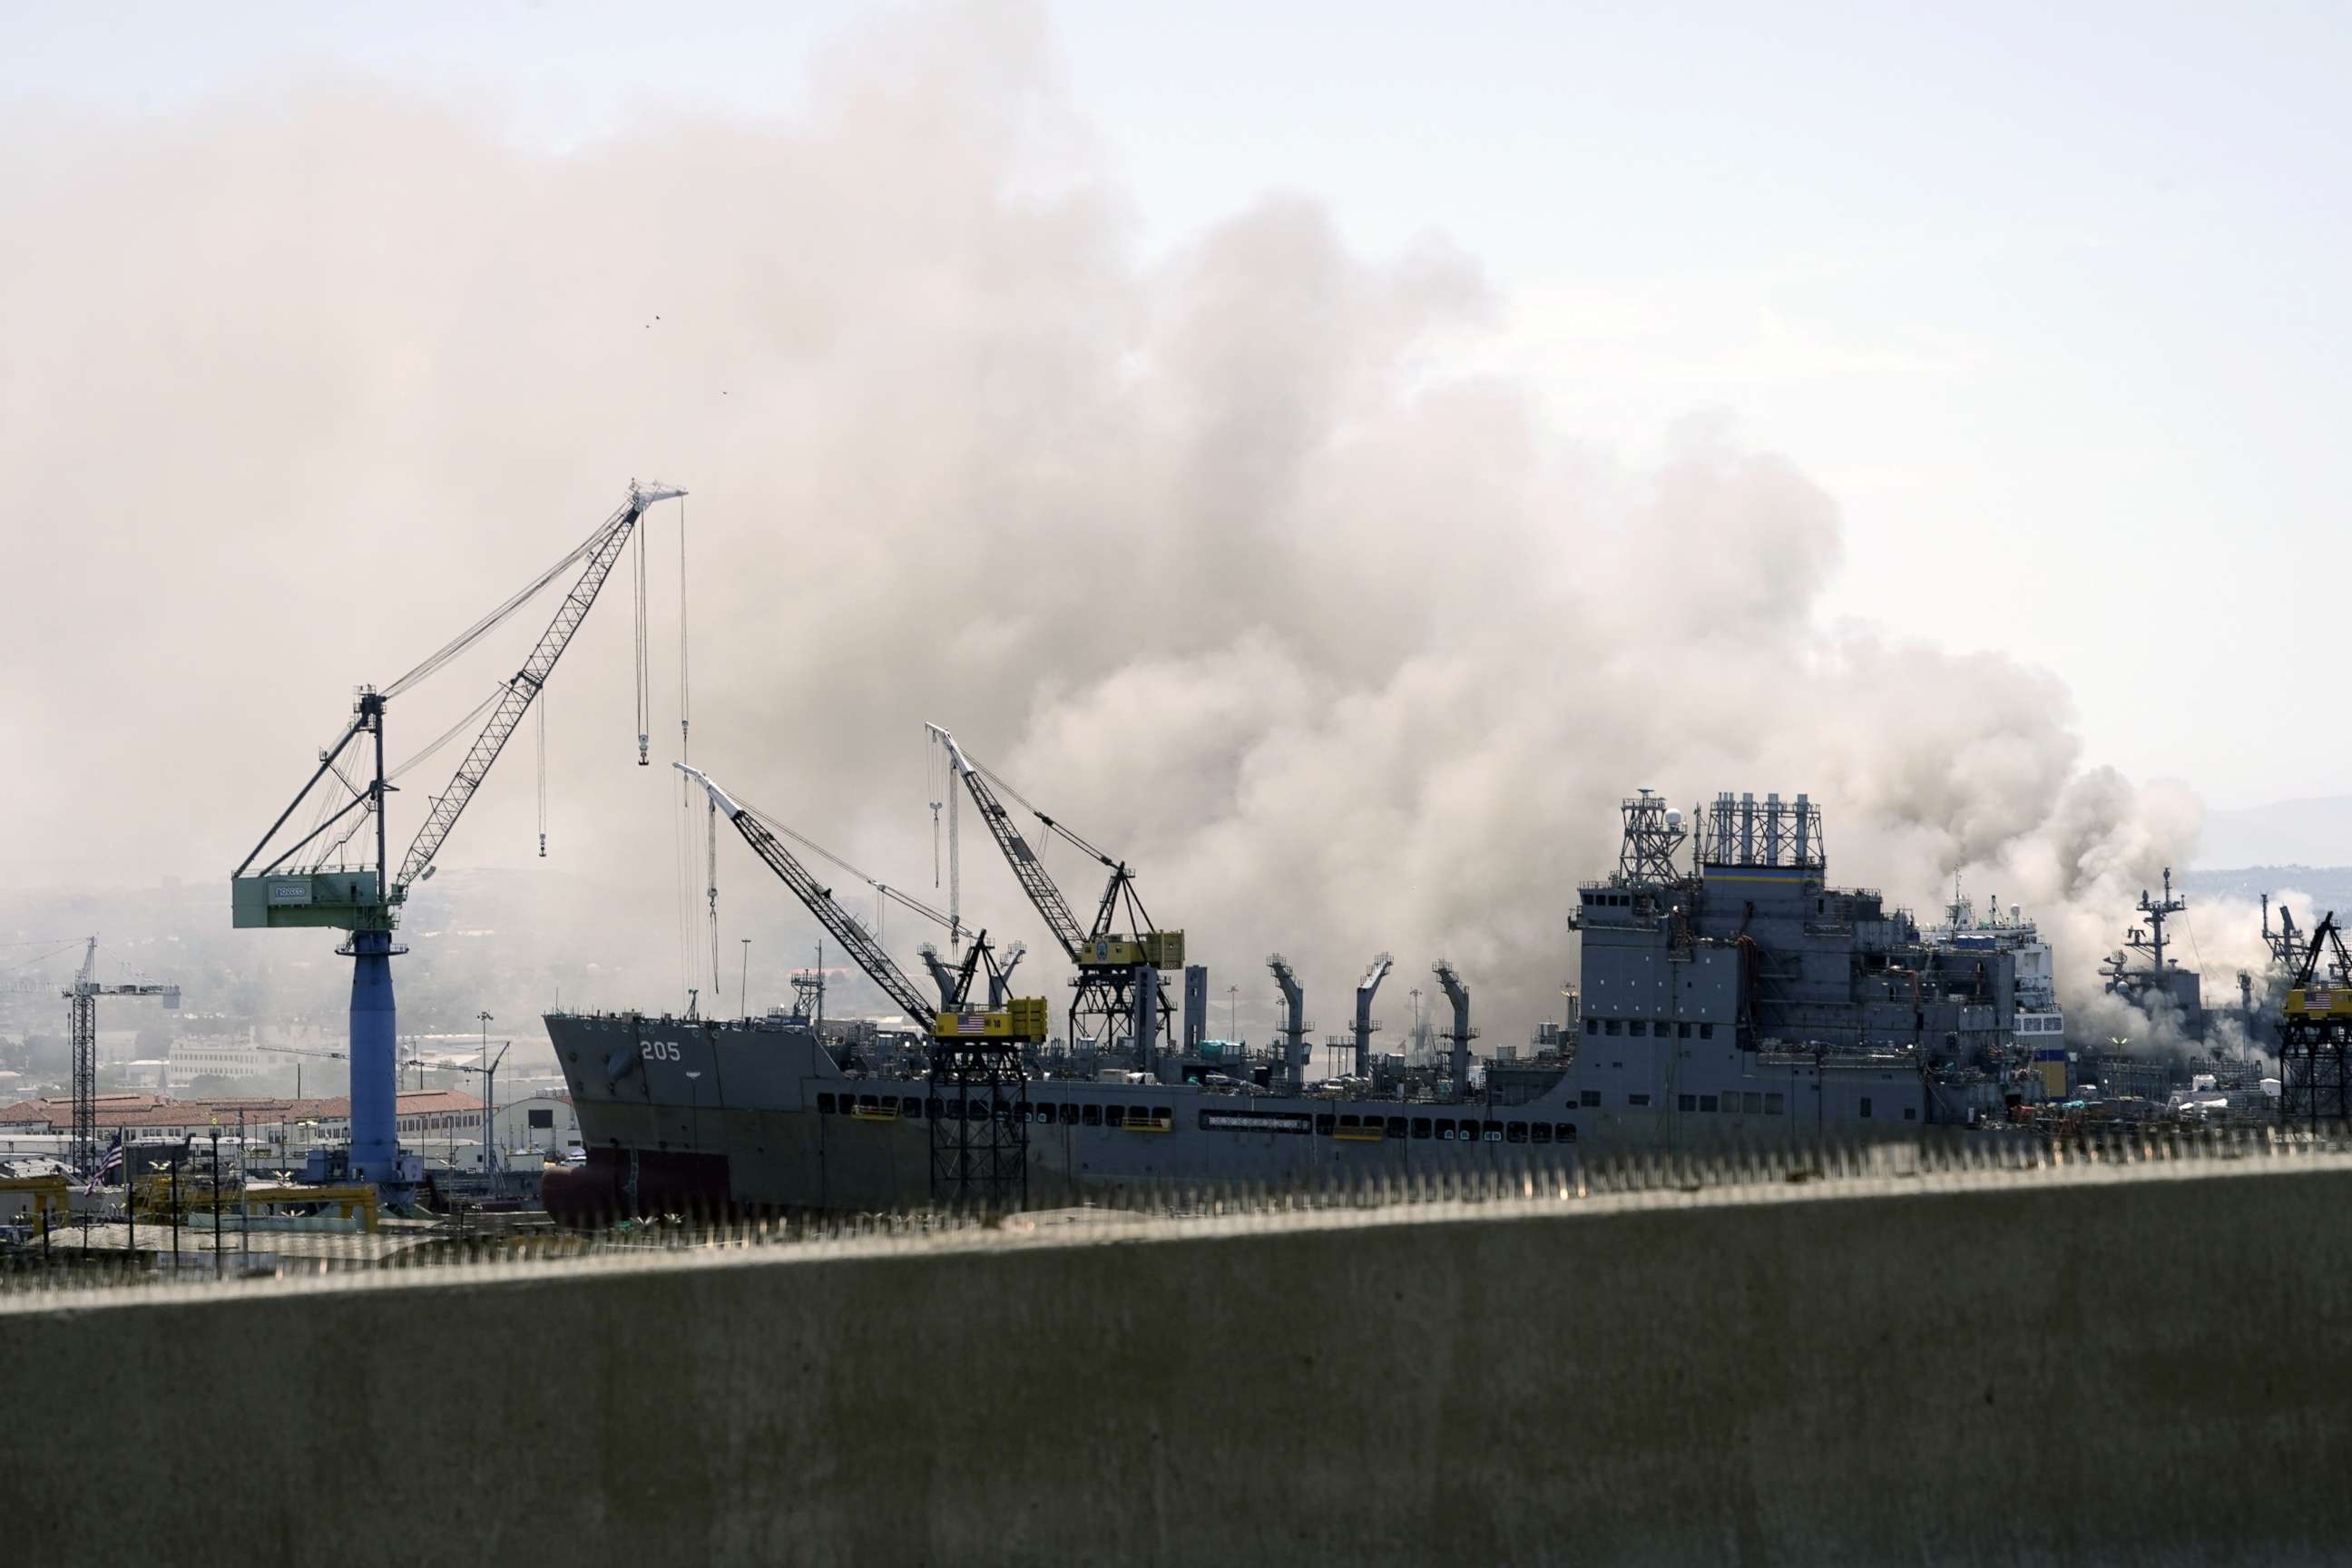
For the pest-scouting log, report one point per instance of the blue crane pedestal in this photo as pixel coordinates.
(288, 891)
(375, 1072)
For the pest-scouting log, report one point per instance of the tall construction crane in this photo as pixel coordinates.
(1117, 998)
(297, 887)
(82, 1029)
(977, 1156)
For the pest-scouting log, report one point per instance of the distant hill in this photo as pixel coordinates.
(2327, 887)
(2315, 832)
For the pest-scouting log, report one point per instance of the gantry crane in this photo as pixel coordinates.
(82, 1029)
(2315, 1077)
(1117, 998)
(299, 887)
(978, 1155)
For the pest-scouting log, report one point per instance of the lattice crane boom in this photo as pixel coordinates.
(1027, 868)
(507, 714)
(844, 928)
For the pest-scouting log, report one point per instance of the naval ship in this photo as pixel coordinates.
(1728, 995)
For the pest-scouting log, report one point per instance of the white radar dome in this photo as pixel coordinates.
(1674, 817)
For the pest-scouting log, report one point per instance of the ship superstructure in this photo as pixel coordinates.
(2037, 1021)
(1739, 999)
(2158, 985)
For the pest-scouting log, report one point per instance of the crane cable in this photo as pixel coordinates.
(645, 687)
(472, 634)
(68, 945)
(683, 712)
(882, 889)
(710, 838)
(542, 774)
(334, 845)
(441, 657)
(1027, 805)
(680, 856)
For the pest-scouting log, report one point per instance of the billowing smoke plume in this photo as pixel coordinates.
(1219, 554)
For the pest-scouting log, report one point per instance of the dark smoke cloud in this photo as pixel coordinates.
(1220, 554)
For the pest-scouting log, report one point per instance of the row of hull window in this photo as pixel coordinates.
(1160, 1118)
(1746, 1103)
(911, 1108)
(1445, 1129)
(1676, 1028)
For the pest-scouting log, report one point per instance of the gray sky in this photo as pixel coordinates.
(2049, 299)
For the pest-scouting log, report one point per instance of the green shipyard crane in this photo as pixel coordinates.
(309, 884)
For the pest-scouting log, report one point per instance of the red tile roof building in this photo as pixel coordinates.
(422, 1111)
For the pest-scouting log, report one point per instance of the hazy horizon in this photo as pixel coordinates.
(1291, 551)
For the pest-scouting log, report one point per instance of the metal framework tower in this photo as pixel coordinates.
(1741, 833)
(980, 1147)
(808, 991)
(1646, 858)
(2316, 1039)
(2157, 910)
(82, 1030)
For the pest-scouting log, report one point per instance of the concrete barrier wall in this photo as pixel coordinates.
(2149, 1370)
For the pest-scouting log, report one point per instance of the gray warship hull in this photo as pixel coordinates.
(685, 1115)
(1739, 1001)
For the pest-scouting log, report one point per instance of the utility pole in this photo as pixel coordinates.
(488, 1096)
(244, 1204)
(743, 998)
(216, 1246)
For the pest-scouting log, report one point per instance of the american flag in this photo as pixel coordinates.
(109, 1167)
(972, 1022)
